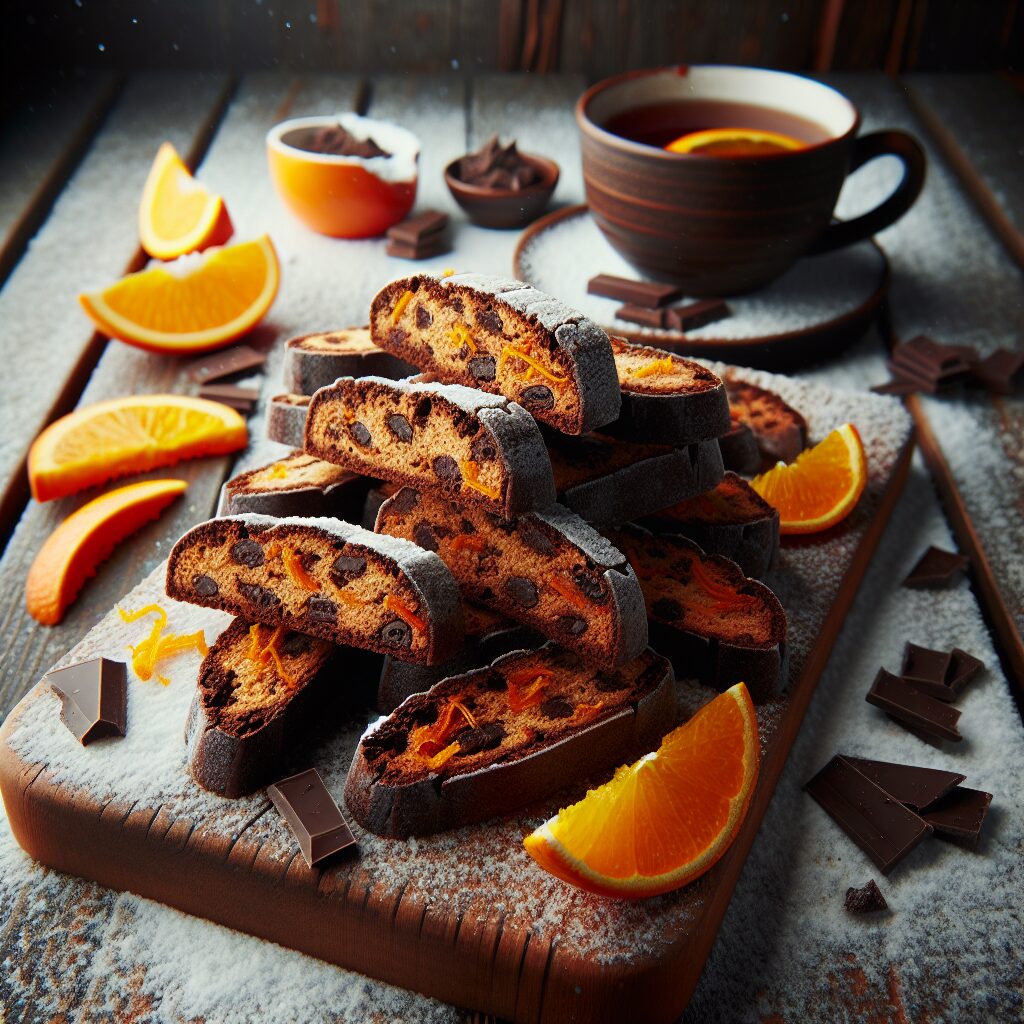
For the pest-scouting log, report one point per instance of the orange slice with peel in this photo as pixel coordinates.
(128, 435)
(86, 538)
(663, 821)
(734, 142)
(177, 215)
(821, 487)
(196, 303)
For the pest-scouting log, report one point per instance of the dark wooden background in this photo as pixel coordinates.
(595, 37)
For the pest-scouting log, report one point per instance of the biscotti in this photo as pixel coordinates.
(313, 361)
(488, 635)
(323, 577)
(713, 622)
(667, 399)
(480, 448)
(491, 741)
(547, 569)
(731, 520)
(779, 430)
(258, 689)
(506, 338)
(607, 481)
(286, 419)
(297, 485)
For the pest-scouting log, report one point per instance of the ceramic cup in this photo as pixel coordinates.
(728, 225)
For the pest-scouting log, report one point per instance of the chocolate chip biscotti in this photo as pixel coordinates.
(322, 577)
(505, 338)
(313, 361)
(491, 741)
(549, 570)
(480, 448)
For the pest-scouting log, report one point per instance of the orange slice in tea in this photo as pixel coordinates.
(734, 142)
(821, 487)
(88, 537)
(177, 215)
(128, 435)
(664, 820)
(198, 302)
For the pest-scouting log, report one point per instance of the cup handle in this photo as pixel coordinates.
(866, 148)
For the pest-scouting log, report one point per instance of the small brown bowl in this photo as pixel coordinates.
(505, 207)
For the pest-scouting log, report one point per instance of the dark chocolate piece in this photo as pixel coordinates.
(433, 245)
(867, 900)
(879, 824)
(225, 363)
(339, 141)
(497, 166)
(931, 360)
(242, 399)
(94, 698)
(894, 387)
(917, 379)
(963, 668)
(927, 670)
(312, 815)
(935, 568)
(911, 785)
(909, 706)
(643, 315)
(649, 294)
(999, 371)
(959, 815)
(696, 314)
(416, 230)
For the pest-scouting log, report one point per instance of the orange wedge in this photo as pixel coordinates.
(177, 215)
(128, 435)
(821, 487)
(663, 821)
(198, 302)
(86, 538)
(734, 142)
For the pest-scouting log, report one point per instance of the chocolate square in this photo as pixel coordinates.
(909, 706)
(94, 698)
(312, 814)
(960, 815)
(963, 667)
(927, 670)
(225, 363)
(935, 568)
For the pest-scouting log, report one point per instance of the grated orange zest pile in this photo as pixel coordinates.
(157, 646)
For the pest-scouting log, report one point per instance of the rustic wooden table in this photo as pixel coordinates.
(72, 165)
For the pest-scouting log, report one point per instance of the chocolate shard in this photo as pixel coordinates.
(416, 230)
(927, 670)
(642, 315)
(1000, 371)
(880, 825)
(909, 706)
(649, 294)
(935, 568)
(866, 900)
(94, 698)
(909, 784)
(895, 387)
(242, 399)
(931, 360)
(226, 363)
(697, 314)
(963, 667)
(433, 245)
(312, 814)
(959, 815)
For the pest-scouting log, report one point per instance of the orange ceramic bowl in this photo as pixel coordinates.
(344, 196)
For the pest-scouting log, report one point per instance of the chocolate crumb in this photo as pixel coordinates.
(866, 900)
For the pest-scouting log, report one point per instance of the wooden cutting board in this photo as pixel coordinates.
(464, 916)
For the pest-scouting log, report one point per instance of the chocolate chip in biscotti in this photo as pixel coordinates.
(557, 707)
(424, 535)
(424, 318)
(247, 552)
(397, 634)
(205, 586)
(522, 591)
(535, 538)
(482, 368)
(297, 643)
(489, 320)
(483, 737)
(259, 597)
(346, 568)
(589, 586)
(322, 609)
(537, 398)
(480, 447)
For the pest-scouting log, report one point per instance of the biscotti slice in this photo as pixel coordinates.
(713, 622)
(316, 360)
(740, 453)
(666, 398)
(506, 338)
(548, 569)
(607, 481)
(780, 431)
(731, 520)
(323, 577)
(480, 448)
(259, 689)
(490, 741)
(297, 485)
(286, 419)
(488, 635)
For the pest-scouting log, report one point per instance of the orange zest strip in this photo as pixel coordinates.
(570, 592)
(428, 741)
(509, 352)
(297, 571)
(278, 471)
(442, 757)
(723, 596)
(142, 612)
(471, 478)
(403, 300)
(273, 549)
(405, 613)
(655, 366)
(468, 541)
(157, 646)
(460, 336)
(349, 599)
(526, 688)
(589, 710)
(270, 652)
(447, 272)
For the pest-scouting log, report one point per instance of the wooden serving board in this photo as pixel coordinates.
(464, 916)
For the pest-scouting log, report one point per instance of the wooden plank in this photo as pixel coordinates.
(233, 166)
(40, 143)
(951, 278)
(90, 238)
(977, 121)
